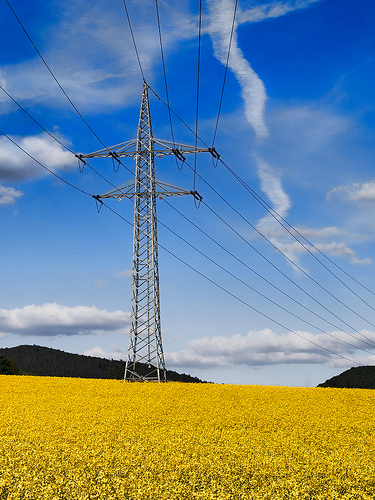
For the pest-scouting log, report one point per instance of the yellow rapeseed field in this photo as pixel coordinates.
(77, 439)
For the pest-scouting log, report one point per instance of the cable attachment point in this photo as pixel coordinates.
(115, 157)
(179, 155)
(81, 163)
(215, 156)
(98, 202)
(196, 195)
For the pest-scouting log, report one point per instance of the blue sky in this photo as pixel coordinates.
(297, 125)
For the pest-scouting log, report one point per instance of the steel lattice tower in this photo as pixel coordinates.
(145, 358)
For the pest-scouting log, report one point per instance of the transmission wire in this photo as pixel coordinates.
(261, 294)
(279, 218)
(197, 102)
(59, 141)
(199, 176)
(104, 178)
(238, 298)
(267, 260)
(164, 71)
(56, 80)
(41, 164)
(225, 73)
(188, 265)
(259, 275)
(259, 198)
(133, 38)
(196, 135)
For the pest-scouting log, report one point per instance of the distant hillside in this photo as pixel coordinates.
(37, 360)
(360, 377)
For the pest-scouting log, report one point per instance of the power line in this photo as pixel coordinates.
(52, 74)
(225, 72)
(259, 293)
(197, 94)
(269, 262)
(239, 299)
(41, 164)
(254, 309)
(260, 276)
(43, 128)
(164, 70)
(196, 134)
(104, 178)
(178, 258)
(263, 203)
(57, 82)
(133, 38)
(58, 140)
(279, 218)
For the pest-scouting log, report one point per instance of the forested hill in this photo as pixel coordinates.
(360, 377)
(37, 360)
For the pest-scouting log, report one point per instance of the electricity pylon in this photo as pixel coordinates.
(145, 358)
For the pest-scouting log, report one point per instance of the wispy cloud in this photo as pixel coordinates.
(124, 274)
(252, 88)
(270, 10)
(91, 53)
(265, 347)
(254, 95)
(54, 319)
(272, 187)
(282, 239)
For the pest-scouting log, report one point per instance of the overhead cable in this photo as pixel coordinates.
(197, 95)
(84, 162)
(133, 38)
(276, 216)
(238, 298)
(267, 260)
(164, 71)
(41, 164)
(263, 203)
(260, 293)
(225, 72)
(260, 276)
(97, 198)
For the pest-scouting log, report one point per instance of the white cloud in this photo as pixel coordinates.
(324, 232)
(356, 192)
(100, 283)
(8, 195)
(302, 118)
(16, 166)
(335, 249)
(54, 319)
(265, 347)
(252, 87)
(341, 249)
(124, 274)
(114, 353)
